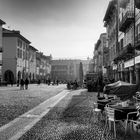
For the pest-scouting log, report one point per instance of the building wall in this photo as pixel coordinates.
(67, 70)
(9, 55)
(0, 52)
(111, 24)
(32, 64)
(22, 55)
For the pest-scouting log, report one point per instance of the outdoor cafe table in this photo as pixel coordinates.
(102, 103)
(121, 112)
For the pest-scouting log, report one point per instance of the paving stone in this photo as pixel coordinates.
(73, 121)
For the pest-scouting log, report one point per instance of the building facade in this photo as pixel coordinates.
(68, 70)
(21, 60)
(100, 58)
(111, 24)
(1, 49)
(43, 66)
(32, 63)
(15, 56)
(122, 22)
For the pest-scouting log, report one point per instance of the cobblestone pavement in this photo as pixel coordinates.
(15, 102)
(72, 119)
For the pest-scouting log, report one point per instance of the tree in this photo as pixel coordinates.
(81, 73)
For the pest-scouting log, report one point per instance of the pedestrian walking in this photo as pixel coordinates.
(38, 82)
(22, 84)
(18, 83)
(26, 83)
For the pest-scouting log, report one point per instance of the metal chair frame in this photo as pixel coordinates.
(98, 112)
(110, 117)
(132, 121)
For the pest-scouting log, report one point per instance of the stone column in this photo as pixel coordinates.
(122, 76)
(126, 75)
(116, 75)
(131, 74)
(137, 68)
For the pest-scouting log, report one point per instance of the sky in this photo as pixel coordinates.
(63, 28)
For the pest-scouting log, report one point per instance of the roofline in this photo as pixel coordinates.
(97, 44)
(13, 33)
(33, 48)
(2, 22)
(110, 5)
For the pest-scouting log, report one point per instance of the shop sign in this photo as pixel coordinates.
(137, 59)
(129, 63)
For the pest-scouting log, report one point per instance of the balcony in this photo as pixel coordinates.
(127, 19)
(125, 54)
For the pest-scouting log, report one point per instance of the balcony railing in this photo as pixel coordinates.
(125, 53)
(127, 19)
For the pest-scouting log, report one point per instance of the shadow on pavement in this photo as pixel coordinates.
(70, 119)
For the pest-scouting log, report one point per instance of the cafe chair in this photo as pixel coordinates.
(134, 120)
(97, 112)
(110, 118)
(136, 99)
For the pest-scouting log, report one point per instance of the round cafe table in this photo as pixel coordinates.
(102, 103)
(121, 112)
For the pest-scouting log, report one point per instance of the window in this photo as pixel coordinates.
(138, 31)
(18, 53)
(24, 55)
(24, 46)
(0, 70)
(19, 43)
(121, 44)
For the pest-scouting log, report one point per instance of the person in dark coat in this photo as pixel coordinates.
(18, 83)
(22, 84)
(26, 83)
(38, 82)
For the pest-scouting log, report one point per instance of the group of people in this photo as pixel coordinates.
(23, 82)
(72, 85)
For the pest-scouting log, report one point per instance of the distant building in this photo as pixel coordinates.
(43, 66)
(68, 70)
(1, 49)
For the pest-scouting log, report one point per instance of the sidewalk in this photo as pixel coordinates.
(16, 128)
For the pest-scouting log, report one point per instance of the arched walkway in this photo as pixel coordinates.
(9, 76)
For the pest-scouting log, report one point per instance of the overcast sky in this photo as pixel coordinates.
(63, 28)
